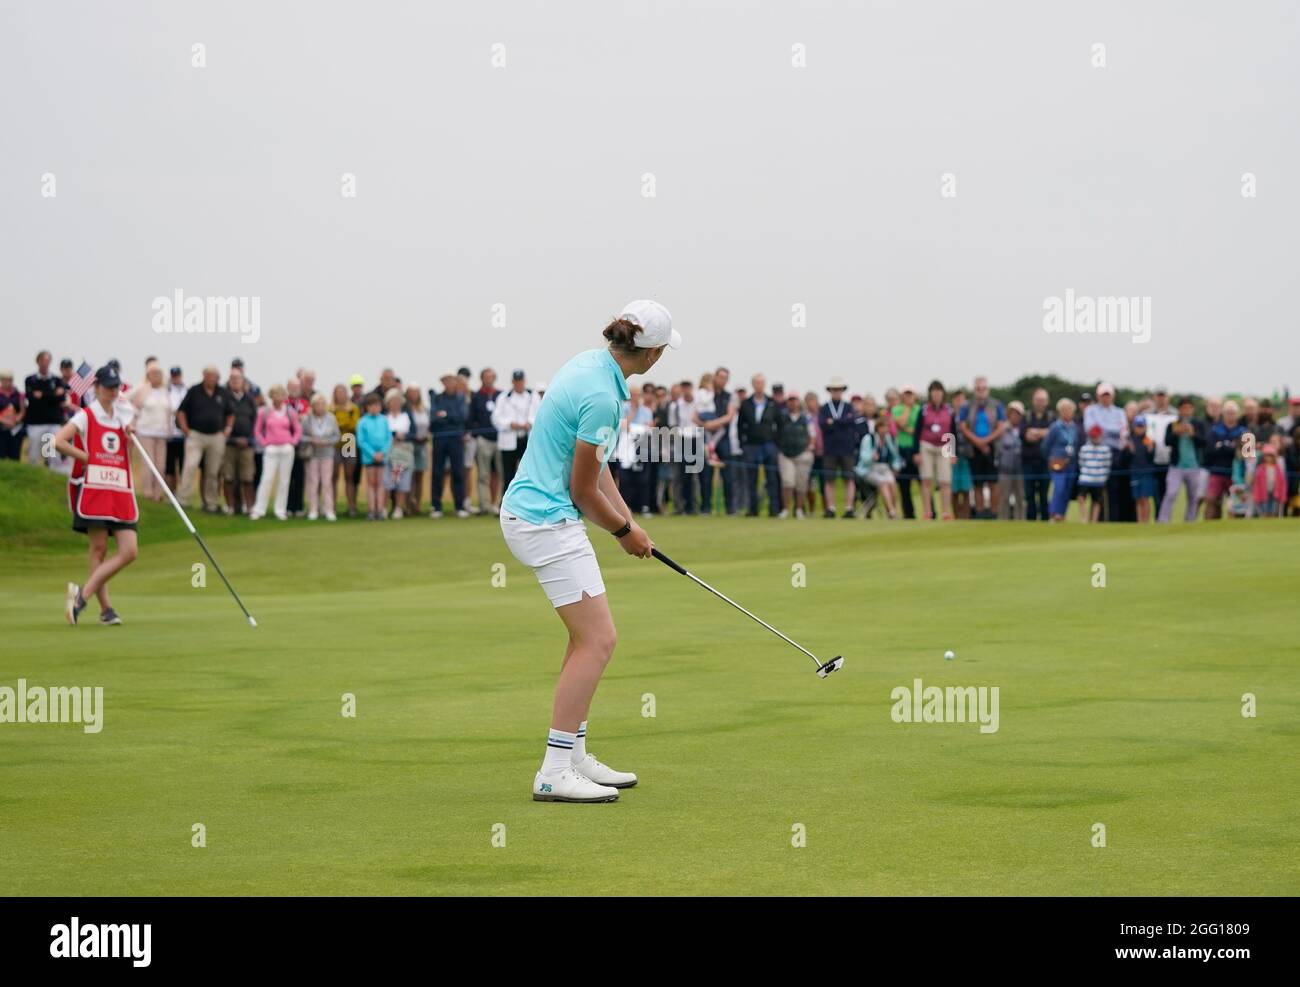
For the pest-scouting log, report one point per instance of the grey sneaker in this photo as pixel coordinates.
(109, 618)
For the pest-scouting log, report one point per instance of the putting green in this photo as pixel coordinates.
(1119, 706)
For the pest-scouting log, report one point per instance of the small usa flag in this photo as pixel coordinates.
(82, 380)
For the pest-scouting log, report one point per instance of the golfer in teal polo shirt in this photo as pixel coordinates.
(562, 479)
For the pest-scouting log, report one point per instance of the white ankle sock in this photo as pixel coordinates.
(580, 745)
(559, 751)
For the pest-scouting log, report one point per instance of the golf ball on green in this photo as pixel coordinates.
(948, 656)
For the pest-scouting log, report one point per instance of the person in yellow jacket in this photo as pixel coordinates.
(347, 464)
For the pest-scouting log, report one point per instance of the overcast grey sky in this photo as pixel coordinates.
(775, 185)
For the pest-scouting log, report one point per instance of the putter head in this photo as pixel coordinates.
(835, 664)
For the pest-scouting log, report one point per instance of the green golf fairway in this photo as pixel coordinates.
(1119, 705)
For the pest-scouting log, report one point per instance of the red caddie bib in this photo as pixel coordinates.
(101, 490)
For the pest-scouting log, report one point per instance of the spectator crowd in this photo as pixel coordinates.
(292, 448)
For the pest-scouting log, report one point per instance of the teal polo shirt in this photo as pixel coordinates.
(584, 401)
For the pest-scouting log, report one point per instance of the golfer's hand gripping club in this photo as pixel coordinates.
(637, 542)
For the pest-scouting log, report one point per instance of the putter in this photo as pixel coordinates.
(181, 511)
(823, 669)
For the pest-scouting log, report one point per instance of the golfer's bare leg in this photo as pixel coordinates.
(127, 548)
(591, 643)
(98, 549)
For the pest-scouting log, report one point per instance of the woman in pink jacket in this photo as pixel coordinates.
(1270, 483)
(278, 432)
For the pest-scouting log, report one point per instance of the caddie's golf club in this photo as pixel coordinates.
(823, 670)
(181, 511)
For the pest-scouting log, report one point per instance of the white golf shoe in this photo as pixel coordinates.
(603, 774)
(570, 785)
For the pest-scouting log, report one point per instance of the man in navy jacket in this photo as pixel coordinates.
(448, 416)
(840, 438)
(487, 457)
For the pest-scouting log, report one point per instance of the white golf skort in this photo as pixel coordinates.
(560, 555)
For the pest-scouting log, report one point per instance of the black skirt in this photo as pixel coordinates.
(84, 524)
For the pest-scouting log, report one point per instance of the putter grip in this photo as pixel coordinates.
(667, 561)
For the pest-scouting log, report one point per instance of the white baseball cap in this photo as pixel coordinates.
(656, 324)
